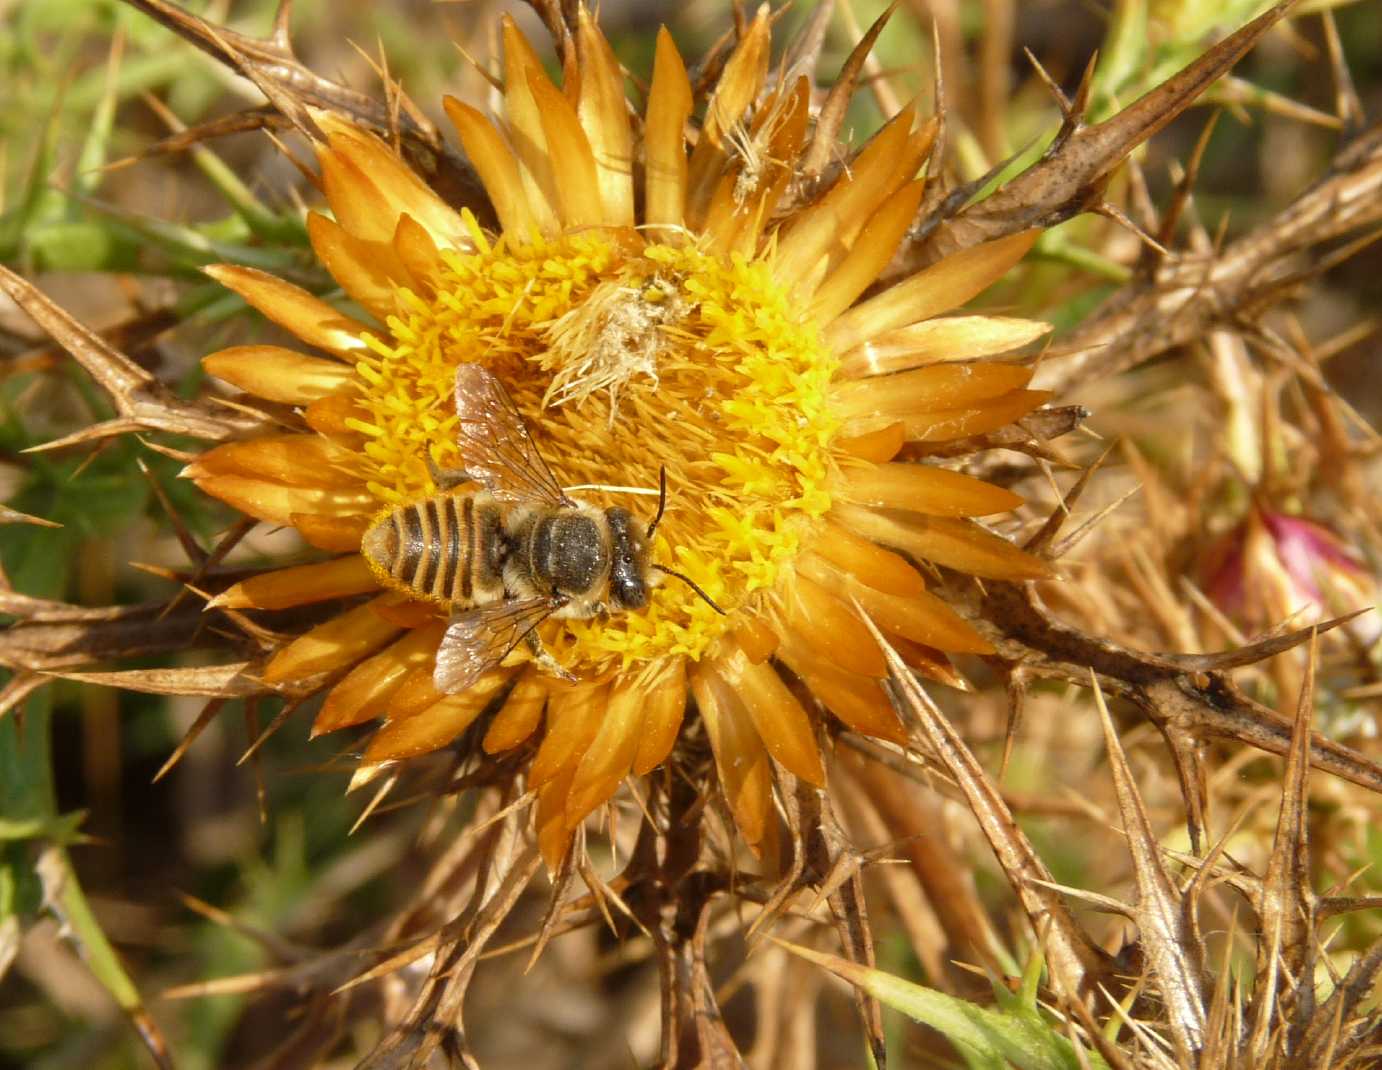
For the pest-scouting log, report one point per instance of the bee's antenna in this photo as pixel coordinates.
(689, 582)
(661, 505)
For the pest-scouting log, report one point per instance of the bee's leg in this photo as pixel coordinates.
(544, 661)
(446, 478)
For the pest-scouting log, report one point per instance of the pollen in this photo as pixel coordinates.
(625, 358)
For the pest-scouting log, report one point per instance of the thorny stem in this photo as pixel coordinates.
(1184, 298)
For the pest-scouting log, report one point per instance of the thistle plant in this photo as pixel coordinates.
(1012, 541)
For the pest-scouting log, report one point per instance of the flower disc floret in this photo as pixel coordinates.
(729, 394)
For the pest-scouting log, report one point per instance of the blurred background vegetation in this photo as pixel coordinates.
(88, 83)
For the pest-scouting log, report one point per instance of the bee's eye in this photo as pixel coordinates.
(627, 559)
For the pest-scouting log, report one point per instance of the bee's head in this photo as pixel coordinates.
(628, 570)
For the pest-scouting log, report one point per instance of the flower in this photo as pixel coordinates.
(1274, 567)
(646, 306)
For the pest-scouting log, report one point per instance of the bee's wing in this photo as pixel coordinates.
(495, 444)
(481, 637)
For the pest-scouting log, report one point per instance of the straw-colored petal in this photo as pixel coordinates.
(782, 724)
(524, 127)
(604, 114)
(578, 184)
(921, 618)
(608, 758)
(295, 460)
(435, 726)
(417, 693)
(740, 758)
(858, 701)
(928, 293)
(737, 87)
(723, 218)
(742, 205)
(756, 638)
(365, 692)
(806, 241)
(335, 534)
(331, 416)
(369, 271)
(293, 308)
(664, 140)
(923, 489)
(494, 162)
(949, 338)
(573, 718)
(553, 833)
(877, 446)
(278, 374)
(339, 642)
(830, 627)
(277, 503)
(776, 170)
(929, 662)
(299, 586)
(867, 561)
(520, 715)
(869, 256)
(417, 252)
(946, 425)
(369, 187)
(955, 543)
(664, 706)
(924, 390)
(408, 612)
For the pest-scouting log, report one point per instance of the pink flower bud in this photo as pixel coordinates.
(1273, 567)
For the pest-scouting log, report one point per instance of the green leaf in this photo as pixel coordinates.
(1016, 1034)
(59, 828)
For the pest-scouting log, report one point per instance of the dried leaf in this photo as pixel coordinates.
(293, 90)
(1174, 954)
(211, 681)
(1077, 965)
(143, 403)
(1071, 177)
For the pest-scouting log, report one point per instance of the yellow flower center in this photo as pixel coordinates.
(624, 357)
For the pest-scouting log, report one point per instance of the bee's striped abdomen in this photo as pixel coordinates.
(447, 548)
(456, 551)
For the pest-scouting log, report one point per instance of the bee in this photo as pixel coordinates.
(509, 556)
